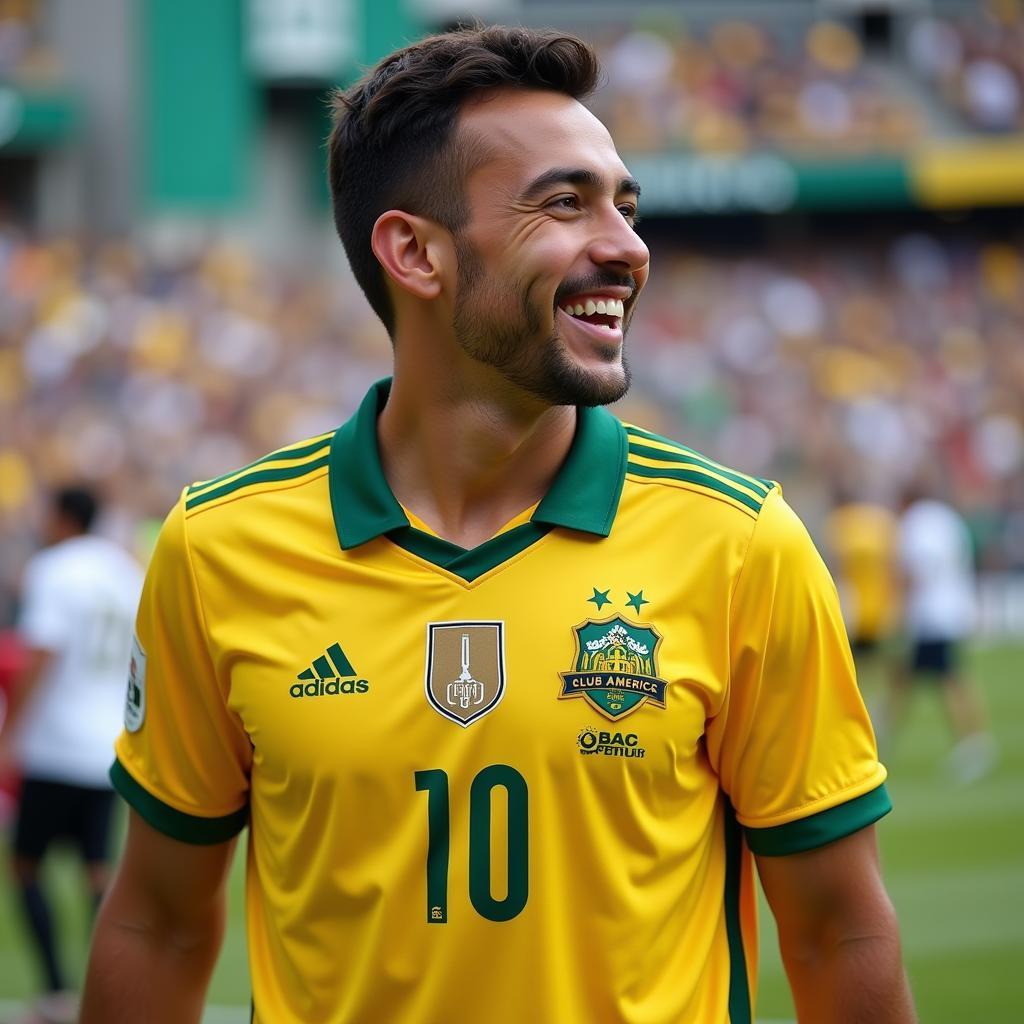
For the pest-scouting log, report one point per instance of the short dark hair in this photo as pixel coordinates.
(393, 143)
(78, 505)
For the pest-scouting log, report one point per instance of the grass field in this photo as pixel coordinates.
(954, 863)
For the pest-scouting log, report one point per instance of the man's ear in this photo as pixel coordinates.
(408, 249)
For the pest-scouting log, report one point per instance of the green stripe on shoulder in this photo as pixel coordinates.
(638, 434)
(686, 458)
(261, 476)
(821, 828)
(189, 828)
(692, 476)
(281, 455)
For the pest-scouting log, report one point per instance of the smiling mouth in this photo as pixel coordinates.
(607, 313)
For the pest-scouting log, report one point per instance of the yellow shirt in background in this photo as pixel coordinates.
(862, 538)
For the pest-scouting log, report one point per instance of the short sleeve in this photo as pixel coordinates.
(792, 742)
(45, 621)
(184, 758)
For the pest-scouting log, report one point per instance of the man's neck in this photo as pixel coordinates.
(465, 460)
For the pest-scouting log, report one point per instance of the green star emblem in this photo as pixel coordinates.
(600, 598)
(636, 600)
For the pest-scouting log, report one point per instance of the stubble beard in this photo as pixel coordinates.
(507, 341)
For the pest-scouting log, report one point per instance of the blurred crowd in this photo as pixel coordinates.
(975, 63)
(123, 367)
(743, 85)
(852, 368)
(24, 57)
(810, 86)
(837, 370)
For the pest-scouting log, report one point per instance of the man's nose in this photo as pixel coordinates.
(617, 244)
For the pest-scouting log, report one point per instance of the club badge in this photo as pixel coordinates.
(615, 669)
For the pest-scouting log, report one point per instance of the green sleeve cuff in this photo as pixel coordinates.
(821, 828)
(189, 828)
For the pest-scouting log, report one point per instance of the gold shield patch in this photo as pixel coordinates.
(465, 675)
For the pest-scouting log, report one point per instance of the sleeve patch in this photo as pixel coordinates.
(135, 698)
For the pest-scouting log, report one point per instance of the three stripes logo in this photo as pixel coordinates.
(330, 675)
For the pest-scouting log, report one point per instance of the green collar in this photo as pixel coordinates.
(584, 496)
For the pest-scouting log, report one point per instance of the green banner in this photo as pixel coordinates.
(871, 183)
(198, 105)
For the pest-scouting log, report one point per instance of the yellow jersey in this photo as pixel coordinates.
(518, 782)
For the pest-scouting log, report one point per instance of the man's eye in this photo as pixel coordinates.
(565, 203)
(629, 211)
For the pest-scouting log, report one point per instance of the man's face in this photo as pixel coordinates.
(549, 263)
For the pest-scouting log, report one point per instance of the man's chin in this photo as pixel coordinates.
(569, 382)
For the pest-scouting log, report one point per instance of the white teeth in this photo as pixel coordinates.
(605, 307)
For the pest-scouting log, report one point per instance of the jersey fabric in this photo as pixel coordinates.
(519, 782)
(79, 600)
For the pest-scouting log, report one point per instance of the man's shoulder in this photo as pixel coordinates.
(654, 459)
(288, 469)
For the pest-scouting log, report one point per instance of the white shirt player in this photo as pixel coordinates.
(935, 554)
(80, 597)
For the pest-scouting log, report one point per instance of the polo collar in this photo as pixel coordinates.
(584, 495)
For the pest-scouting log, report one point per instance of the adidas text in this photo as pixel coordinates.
(329, 687)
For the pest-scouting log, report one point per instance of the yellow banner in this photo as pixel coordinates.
(969, 174)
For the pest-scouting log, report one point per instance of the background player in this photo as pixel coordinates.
(936, 564)
(79, 597)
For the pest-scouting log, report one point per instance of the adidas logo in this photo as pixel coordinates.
(330, 675)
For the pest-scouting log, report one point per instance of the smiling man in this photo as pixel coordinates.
(511, 694)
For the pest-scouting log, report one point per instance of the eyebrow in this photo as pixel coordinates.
(580, 176)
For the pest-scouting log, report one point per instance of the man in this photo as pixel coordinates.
(936, 563)
(496, 681)
(80, 595)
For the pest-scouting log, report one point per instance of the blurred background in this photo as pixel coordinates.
(833, 193)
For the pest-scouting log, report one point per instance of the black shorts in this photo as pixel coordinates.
(864, 646)
(935, 658)
(57, 810)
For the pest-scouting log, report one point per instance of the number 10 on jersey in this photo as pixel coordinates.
(434, 782)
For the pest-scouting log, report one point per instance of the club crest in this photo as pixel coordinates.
(616, 668)
(465, 676)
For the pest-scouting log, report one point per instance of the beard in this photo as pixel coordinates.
(496, 323)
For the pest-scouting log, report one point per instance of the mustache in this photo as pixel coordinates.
(593, 283)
